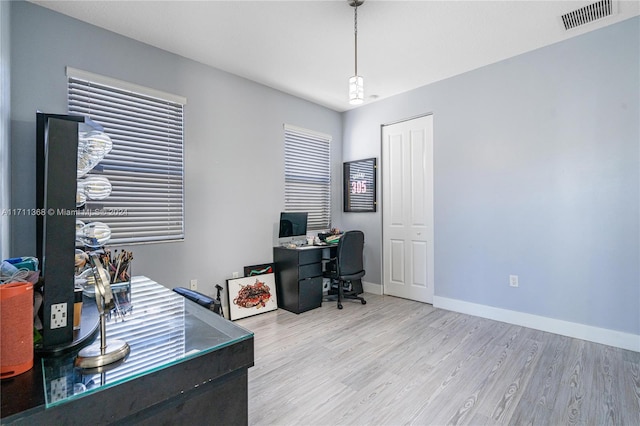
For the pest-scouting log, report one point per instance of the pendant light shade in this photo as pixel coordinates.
(356, 90)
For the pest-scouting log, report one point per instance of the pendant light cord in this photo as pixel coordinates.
(355, 34)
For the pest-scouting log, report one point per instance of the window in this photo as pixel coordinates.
(145, 166)
(307, 168)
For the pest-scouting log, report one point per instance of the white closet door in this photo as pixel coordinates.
(407, 209)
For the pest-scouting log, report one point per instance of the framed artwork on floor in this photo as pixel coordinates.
(251, 295)
(264, 268)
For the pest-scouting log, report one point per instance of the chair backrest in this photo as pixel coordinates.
(349, 253)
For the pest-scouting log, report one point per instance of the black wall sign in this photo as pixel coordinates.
(360, 186)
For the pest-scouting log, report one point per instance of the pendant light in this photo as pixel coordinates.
(356, 83)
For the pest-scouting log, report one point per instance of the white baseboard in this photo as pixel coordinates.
(372, 288)
(565, 328)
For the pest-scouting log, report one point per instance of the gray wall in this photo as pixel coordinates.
(536, 174)
(234, 149)
(5, 122)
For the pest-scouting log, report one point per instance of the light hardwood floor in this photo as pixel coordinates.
(395, 362)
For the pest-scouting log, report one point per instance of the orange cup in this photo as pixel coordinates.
(16, 328)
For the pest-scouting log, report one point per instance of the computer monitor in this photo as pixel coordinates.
(293, 224)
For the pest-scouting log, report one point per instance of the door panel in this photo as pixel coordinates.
(418, 178)
(395, 170)
(407, 209)
(419, 253)
(397, 262)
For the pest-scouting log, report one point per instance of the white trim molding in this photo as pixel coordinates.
(590, 333)
(372, 288)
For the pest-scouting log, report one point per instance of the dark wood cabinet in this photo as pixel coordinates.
(298, 278)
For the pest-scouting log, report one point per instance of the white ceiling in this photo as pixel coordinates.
(306, 47)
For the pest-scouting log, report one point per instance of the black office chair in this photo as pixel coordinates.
(347, 267)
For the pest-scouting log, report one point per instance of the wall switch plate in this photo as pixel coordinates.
(513, 280)
(194, 284)
(235, 275)
(58, 315)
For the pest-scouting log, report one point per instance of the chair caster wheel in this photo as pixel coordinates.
(364, 302)
(339, 305)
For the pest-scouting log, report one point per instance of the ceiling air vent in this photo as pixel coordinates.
(589, 13)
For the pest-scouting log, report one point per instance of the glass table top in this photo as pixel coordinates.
(162, 329)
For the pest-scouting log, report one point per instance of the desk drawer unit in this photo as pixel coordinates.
(309, 271)
(298, 278)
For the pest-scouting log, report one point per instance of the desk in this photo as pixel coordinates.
(299, 277)
(185, 361)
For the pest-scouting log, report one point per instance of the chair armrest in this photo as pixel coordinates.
(199, 298)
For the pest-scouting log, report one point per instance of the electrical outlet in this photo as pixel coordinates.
(58, 389)
(513, 280)
(194, 284)
(235, 275)
(326, 285)
(58, 315)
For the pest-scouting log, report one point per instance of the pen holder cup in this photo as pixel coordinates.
(122, 292)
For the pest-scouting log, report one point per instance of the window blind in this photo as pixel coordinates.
(145, 166)
(308, 175)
